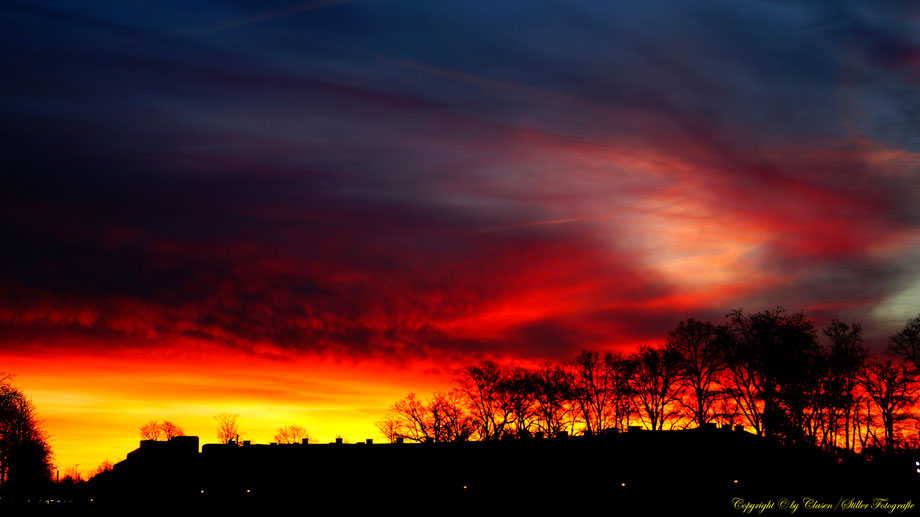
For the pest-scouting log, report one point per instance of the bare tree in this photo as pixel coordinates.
(154, 430)
(742, 382)
(772, 361)
(906, 343)
(389, 427)
(862, 421)
(73, 475)
(291, 434)
(441, 419)
(455, 422)
(656, 384)
(520, 385)
(892, 388)
(701, 346)
(591, 379)
(227, 428)
(151, 431)
(105, 466)
(554, 396)
(485, 388)
(170, 430)
(846, 358)
(411, 420)
(624, 369)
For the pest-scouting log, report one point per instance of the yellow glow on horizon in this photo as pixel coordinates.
(93, 406)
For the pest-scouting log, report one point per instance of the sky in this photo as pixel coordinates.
(301, 212)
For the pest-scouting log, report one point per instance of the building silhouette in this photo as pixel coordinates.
(639, 470)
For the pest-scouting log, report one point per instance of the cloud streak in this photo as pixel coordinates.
(583, 178)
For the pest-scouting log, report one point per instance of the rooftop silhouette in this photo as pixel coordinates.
(708, 467)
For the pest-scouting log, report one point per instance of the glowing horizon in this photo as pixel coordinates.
(93, 407)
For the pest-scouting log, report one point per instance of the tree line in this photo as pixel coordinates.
(772, 372)
(228, 430)
(25, 454)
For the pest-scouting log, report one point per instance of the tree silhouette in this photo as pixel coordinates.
(862, 420)
(624, 369)
(457, 425)
(105, 466)
(227, 428)
(486, 392)
(170, 430)
(892, 388)
(154, 430)
(591, 381)
(413, 421)
(701, 346)
(73, 475)
(520, 385)
(291, 434)
(554, 396)
(906, 343)
(389, 427)
(846, 358)
(656, 384)
(151, 431)
(442, 419)
(764, 369)
(772, 358)
(25, 456)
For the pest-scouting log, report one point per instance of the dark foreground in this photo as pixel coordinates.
(720, 472)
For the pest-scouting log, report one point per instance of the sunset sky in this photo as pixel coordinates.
(301, 212)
